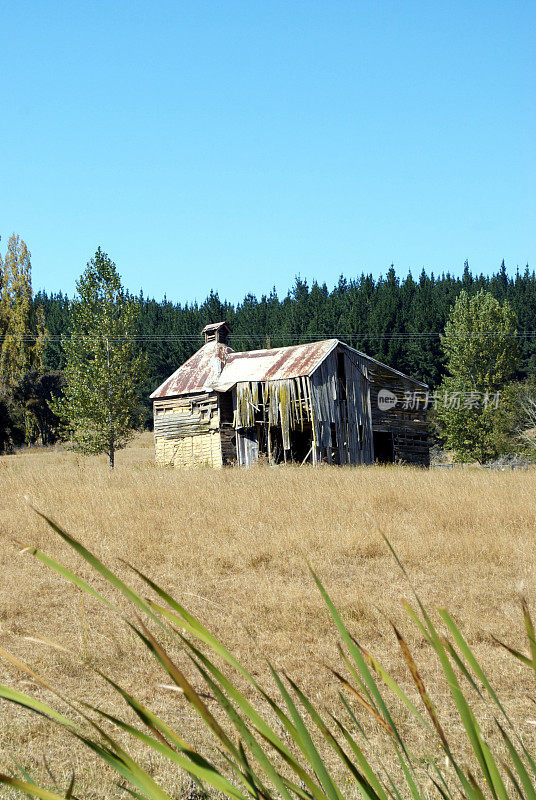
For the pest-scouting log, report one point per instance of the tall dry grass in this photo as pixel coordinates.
(231, 545)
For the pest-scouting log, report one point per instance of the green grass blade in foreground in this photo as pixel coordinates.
(260, 791)
(247, 709)
(25, 775)
(256, 721)
(419, 683)
(125, 766)
(425, 697)
(151, 720)
(196, 629)
(357, 657)
(66, 573)
(74, 729)
(530, 631)
(403, 754)
(245, 734)
(192, 625)
(189, 623)
(305, 742)
(119, 761)
(199, 632)
(178, 677)
(45, 710)
(413, 616)
(466, 715)
(470, 658)
(482, 752)
(191, 695)
(157, 726)
(451, 651)
(30, 789)
(464, 710)
(38, 707)
(364, 785)
(199, 768)
(394, 687)
(440, 789)
(476, 788)
(416, 791)
(440, 777)
(514, 782)
(99, 567)
(132, 793)
(355, 674)
(23, 667)
(524, 777)
(483, 678)
(362, 761)
(520, 657)
(221, 651)
(247, 738)
(496, 778)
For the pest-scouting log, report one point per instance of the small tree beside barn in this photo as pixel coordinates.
(99, 407)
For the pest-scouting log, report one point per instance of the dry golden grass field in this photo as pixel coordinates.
(231, 545)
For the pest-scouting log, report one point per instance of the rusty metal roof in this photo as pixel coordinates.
(217, 367)
(275, 364)
(198, 374)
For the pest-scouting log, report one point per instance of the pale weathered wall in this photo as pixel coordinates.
(186, 431)
(340, 397)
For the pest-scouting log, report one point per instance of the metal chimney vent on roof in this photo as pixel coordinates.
(216, 332)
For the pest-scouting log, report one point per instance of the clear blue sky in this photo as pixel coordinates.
(232, 145)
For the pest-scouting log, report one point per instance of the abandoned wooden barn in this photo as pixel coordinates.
(321, 402)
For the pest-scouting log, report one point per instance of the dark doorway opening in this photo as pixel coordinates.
(384, 451)
(301, 444)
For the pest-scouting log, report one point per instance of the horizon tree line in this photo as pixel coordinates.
(396, 320)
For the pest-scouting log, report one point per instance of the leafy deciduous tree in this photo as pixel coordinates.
(481, 349)
(22, 333)
(103, 363)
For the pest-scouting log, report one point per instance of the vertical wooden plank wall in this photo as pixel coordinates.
(359, 409)
(345, 407)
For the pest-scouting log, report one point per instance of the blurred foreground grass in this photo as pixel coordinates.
(232, 546)
(281, 754)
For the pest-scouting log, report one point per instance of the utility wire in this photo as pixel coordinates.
(293, 338)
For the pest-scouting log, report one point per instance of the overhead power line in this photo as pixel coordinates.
(293, 338)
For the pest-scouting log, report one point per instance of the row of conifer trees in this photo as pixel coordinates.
(396, 320)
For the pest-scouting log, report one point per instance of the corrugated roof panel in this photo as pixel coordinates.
(216, 367)
(198, 374)
(276, 364)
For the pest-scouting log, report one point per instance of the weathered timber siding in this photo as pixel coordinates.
(340, 400)
(247, 445)
(186, 431)
(408, 425)
(359, 415)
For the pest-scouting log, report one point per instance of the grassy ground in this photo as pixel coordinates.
(231, 545)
